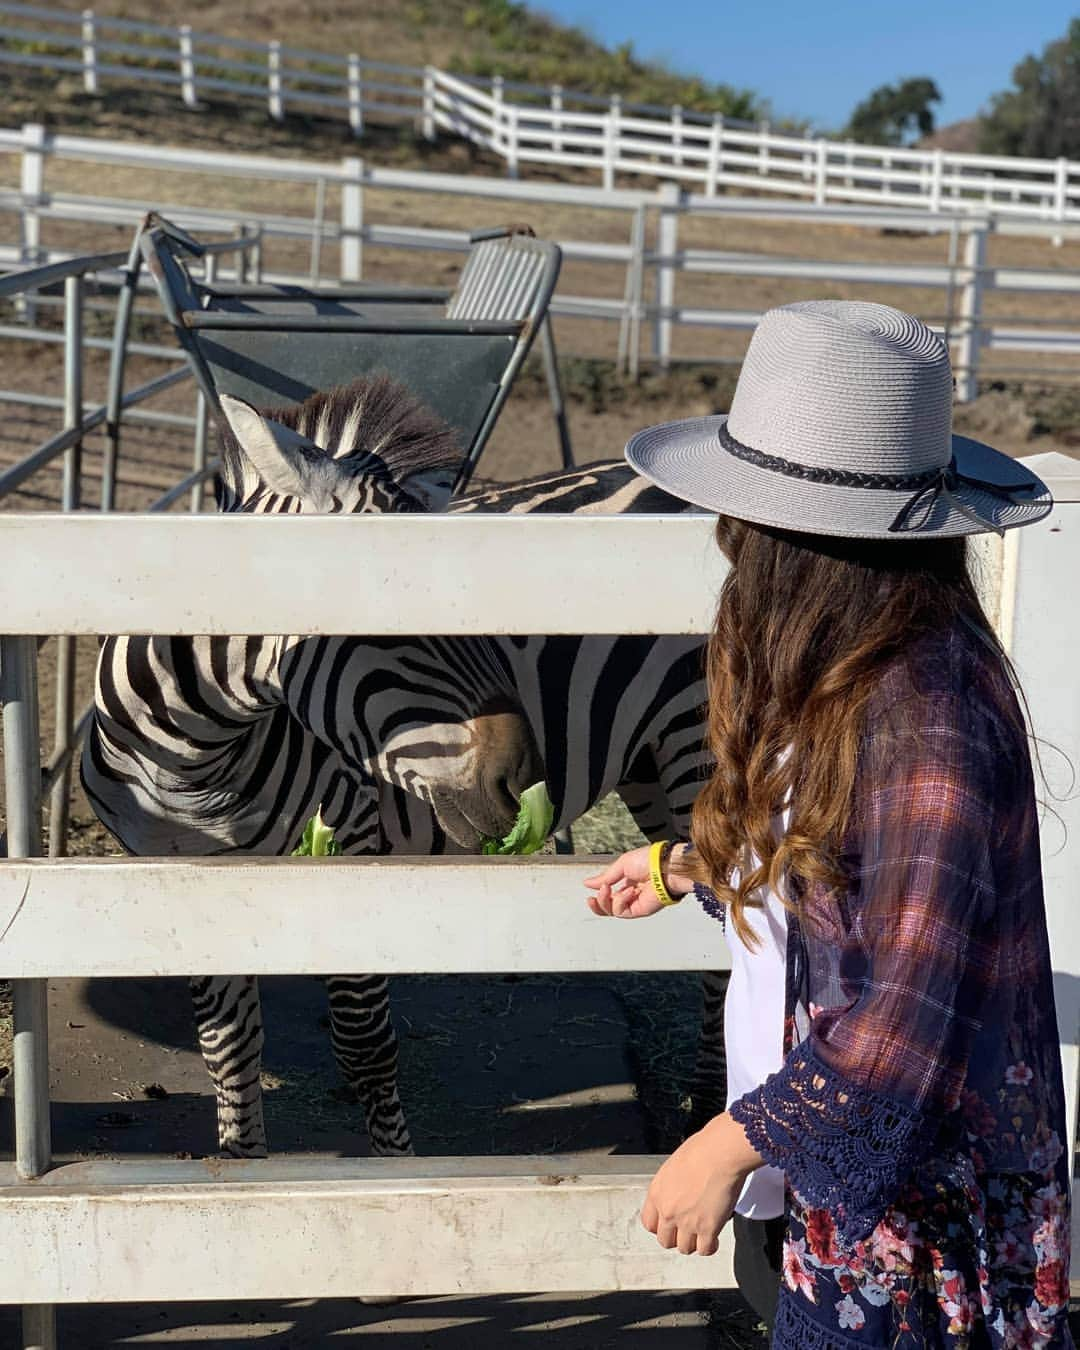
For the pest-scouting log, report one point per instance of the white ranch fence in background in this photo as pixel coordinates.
(283, 1228)
(646, 314)
(711, 153)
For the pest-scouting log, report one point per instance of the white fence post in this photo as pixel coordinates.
(89, 51)
(676, 134)
(670, 198)
(274, 99)
(763, 150)
(629, 352)
(32, 191)
(611, 141)
(352, 220)
(511, 140)
(716, 151)
(1044, 645)
(427, 114)
(32, 194)
(187, 67)
(556, 122)
(356, 98)
(1061, 196)
(970, 333)
(821, 182)
(937, 172)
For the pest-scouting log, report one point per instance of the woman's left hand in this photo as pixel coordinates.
(693, 1195)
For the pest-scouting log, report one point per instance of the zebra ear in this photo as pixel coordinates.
(283, 459)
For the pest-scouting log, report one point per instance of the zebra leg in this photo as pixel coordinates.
(228, 1016)
(365, 1046)
(708, 1093)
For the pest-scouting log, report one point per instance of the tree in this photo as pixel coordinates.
(895, 114)
(1040, 116)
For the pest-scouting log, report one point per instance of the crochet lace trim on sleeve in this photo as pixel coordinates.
(706, 898)
(843, 1148)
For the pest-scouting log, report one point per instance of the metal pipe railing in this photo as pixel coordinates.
(60, 791)
(79, 420)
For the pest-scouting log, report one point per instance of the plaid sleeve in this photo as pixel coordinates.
(859, 1102)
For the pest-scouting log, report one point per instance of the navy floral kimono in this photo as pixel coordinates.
(919, 1113)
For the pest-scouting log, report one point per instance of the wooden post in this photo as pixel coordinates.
(352, 220)
(89, 51)
(187, 67)
(970, 334)
(273, 82)
(667, 244)
(356, 96)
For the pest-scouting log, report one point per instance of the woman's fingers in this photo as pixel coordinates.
(612, 873)
(686, 1242)
(669, 1234)
(624, 899)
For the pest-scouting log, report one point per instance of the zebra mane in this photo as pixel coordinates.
(375, 425)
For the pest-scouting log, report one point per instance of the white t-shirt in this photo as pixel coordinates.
(754, 1027)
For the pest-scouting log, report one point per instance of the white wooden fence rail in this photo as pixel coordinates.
(647, 308)
(104, 1232)
(705, 151)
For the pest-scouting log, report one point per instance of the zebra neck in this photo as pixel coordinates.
(194, 701)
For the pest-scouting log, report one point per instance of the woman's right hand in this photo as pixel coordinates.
(623, 889)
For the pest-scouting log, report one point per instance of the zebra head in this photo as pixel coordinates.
(364, 447)
(440, 721)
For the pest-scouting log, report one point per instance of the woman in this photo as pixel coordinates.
(870, 833)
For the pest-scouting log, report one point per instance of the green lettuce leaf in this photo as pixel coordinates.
(536, 815)
(318, 840)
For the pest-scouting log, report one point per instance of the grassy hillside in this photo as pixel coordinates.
(479, 37)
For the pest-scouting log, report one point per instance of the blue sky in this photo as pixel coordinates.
(818, 60)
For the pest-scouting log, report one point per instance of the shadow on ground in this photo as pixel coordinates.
(571, 1322)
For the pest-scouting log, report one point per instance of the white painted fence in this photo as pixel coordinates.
(289, 1228)
(706, 152)
(647, 312)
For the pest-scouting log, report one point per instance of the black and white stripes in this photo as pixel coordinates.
(421, 745)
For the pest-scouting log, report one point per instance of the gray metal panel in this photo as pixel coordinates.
(457, 375)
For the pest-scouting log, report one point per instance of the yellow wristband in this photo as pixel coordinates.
(656, 876)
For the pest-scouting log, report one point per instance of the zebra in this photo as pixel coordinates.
(220, 745)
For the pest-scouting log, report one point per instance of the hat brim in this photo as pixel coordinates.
(687, 459)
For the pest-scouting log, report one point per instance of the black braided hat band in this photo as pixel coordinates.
(926, 486)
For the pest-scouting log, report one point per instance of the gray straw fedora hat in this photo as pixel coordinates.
(841, 424)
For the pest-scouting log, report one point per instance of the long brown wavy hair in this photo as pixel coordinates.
(805, 626)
